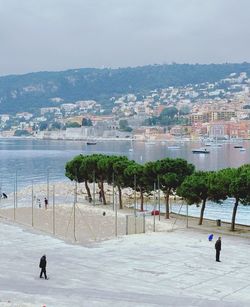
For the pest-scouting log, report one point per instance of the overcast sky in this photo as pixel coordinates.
(50, 35)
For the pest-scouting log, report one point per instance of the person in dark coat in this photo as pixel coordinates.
(218, 249)
(46, 203)
(42, 266)
(4, 195)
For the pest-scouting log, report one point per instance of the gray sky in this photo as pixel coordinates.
(50, 35)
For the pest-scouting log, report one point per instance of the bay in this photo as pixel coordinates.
(35, 160)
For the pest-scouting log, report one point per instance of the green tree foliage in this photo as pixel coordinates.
(22, 133)
(72, 125)
(138, 180)
(123, 125)
(101, 84)
(172, 172)
(56, 126)
(196, 189)
(171, 175)
(43, 126)
(169, 116)
(121, 179)
(87, 122)
(239, 188)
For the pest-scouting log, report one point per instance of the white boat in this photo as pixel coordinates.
(150, 143)
(131, 150)
(242, 149)
(174, 147)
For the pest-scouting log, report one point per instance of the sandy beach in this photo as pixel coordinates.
(83, 223)
(94, 222)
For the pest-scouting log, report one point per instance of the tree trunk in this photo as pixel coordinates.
(103, 193)
(88, 191)
(234, 214)
(142, 199)
(202, 211)
(167, 204)
(120, 197)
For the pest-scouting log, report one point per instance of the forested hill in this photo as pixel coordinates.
(31, 91)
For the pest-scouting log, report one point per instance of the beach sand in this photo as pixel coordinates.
(88, 222)
(83, 222)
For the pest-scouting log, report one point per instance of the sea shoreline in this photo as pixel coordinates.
(97, 226)
(122, 139)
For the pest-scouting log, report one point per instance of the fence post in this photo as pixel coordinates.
(126, 225)
(159, 197)
(113, 190)
(116, 232)
(93, 187)
(14, 201)
(74, 214)
(154, 206)
(16, 189)
(48, 184)
(54, 228)
(32, 203)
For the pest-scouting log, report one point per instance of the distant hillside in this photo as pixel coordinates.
(32, 91)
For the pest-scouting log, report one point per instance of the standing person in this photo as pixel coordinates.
(46, 203)
(42, 266)
(218, 249)
(38, 201)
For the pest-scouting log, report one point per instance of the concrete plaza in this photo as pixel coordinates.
(158, 269)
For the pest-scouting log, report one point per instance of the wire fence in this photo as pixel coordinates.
(67, 213)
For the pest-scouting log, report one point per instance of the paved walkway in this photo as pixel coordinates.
(158, 269)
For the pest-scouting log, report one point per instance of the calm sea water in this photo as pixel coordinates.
(33, 160)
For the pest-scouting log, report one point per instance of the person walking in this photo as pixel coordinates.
(46, 203)
(42, 266)
(218, 249)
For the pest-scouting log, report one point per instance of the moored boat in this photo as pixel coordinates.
(174, 147)
(200, 151)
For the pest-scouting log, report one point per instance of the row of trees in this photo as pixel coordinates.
(168, 175)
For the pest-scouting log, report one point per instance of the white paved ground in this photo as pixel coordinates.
(160, 269)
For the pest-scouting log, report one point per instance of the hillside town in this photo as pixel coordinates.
(206, 110)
